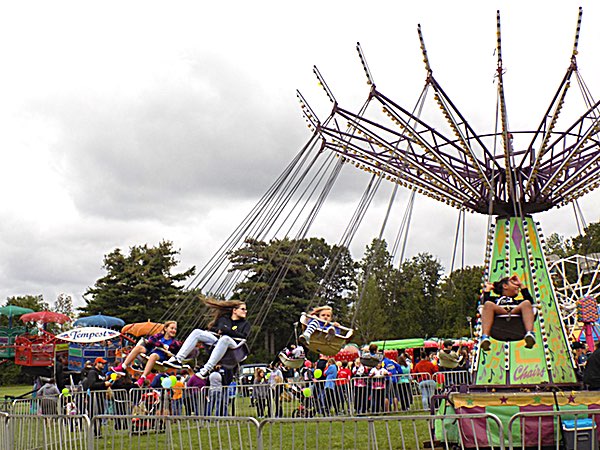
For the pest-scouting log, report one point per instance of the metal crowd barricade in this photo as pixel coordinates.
(174, 432)
(120, 432)
(26, 406)
(6, 404)
(543, 429)
(4, 442)
(25, 432)
(451, 378)
(403, 393)
(414, 432)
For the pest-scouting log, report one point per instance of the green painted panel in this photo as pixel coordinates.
(516, 249)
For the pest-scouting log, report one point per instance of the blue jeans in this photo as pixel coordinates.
(215, 400)
(427, 389)
(220, 346)
(176, 407)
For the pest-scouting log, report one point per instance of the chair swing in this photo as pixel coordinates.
(508, 328)
(291, 363)
(369, 360)
(321, 342)
(233, 356)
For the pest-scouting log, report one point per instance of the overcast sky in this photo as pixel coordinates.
(126, 123)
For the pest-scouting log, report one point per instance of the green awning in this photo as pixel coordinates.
(399, 344)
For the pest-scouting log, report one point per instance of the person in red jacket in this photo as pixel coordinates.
(425, 370)
(341, 384)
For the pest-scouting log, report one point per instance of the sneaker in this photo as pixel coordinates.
(173, 363)
(304, 340)
(203, 373)
(485, 343)
(119, 370)
(140, 382)
(529, 339)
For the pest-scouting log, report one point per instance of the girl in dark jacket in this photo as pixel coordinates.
(229, 323)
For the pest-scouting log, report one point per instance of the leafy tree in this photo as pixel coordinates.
(589, 242)
(64, 305)
(35, 302)
(459, 297)
(283, 277)
(372, 299)
(557, 245)
(413, 310)
(138, 286)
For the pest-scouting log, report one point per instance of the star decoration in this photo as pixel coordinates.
(537, 399)
(571, 398)
(503, 400)
(470, 401)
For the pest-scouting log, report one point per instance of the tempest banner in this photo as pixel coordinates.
(86, 335)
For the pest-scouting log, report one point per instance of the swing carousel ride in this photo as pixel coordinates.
(504, 173)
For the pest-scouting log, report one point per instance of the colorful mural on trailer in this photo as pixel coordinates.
(514, 247)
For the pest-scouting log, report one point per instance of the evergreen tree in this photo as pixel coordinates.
(138, 286)
(459, 298)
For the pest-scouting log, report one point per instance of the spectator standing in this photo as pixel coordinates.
(404, 384)
(215, 393)
(378, 374)
(360, 387)
(391, 384)
(48, 395)
(194, 399)
(425, 370)
(341, 384)
(260, 393)
(177, 398)
(276, 383)
(330, 376)
(95, 383)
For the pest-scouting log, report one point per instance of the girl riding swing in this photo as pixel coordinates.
(229, 323)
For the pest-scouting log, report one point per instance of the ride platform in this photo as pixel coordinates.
(480, 432)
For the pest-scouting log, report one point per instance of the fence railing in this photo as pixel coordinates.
(545, 428)
(354, 397)
(237, 433)
(535, 430)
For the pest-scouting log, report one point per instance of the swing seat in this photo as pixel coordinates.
(508, 328)
(369, 360)
(320, 341)
(291, 363)
(234, 356)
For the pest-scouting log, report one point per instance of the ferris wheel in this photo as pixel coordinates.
(574, 278)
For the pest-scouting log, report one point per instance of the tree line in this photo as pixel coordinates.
(285, 277)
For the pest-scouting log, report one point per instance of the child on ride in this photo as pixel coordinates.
(157, 347)
(229, 323)
(324, 316)
(507, 289)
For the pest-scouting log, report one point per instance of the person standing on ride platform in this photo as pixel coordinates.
(229, 323)
(508, 289)
(325, 316)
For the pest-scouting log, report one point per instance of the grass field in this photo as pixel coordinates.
(241, 434)
(14, 390)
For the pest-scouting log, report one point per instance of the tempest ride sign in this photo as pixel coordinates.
(87, 335)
